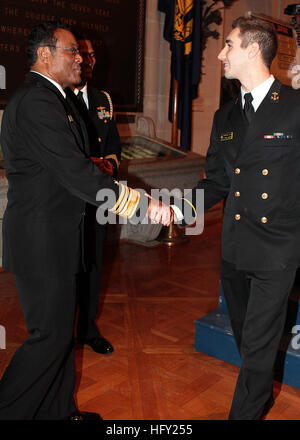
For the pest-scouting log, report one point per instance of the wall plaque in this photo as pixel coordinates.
(116, 28)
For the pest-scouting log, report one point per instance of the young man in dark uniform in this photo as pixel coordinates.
(254, 161)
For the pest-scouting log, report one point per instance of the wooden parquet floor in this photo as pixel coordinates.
(151, 298)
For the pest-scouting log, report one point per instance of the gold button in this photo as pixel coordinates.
(264, 219)
(265, 172)
(264, 196)
(237, 216)
(237, 171)
(99, 140)
(237, 194)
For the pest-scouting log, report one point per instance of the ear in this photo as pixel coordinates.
(43, 53)
(254, 50)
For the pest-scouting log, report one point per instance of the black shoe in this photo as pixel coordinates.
(98, 344)
(85, 416)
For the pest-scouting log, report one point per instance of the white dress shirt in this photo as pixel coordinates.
(84, 94)
(259, 92)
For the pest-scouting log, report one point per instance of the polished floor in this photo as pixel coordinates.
(151, 298)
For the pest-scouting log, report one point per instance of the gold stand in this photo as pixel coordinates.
(172, 236)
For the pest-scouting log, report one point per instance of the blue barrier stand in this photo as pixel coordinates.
(214, 337)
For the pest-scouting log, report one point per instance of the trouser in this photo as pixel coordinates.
(88, 289)
(89, 276)
(257, 305)
(39, 381)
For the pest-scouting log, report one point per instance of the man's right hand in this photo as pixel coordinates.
(158, 212)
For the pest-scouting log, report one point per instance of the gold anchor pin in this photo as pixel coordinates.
(275, 96)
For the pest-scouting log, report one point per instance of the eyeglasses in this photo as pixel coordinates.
(72, 50)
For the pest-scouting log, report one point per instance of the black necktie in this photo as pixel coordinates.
(248, 107)
(80, 98)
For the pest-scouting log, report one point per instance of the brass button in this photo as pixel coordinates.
(237, 171)
(264, 196)
(265, 172)
(237, 216)
(264, 219)
(99, 140)
(237, 194)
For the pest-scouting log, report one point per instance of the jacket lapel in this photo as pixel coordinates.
(235, 128)
(77, 125)
(80, 124)
(266, 113)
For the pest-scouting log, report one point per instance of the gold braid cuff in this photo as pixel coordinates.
(123, 189)
(127, 202)
(123, 201)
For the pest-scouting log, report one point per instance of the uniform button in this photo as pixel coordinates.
(237, 194)
(83, 213)
(265, 172)
(264, 196)
(237, 216)
(237, 171)
(264, 219)
(99, 140)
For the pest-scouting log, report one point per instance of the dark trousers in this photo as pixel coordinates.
(257, 305)
(39, 381)
(88, 289)
(89, 277)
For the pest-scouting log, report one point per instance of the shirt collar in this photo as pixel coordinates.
(52, 81)
(259, 92)
(84, 94)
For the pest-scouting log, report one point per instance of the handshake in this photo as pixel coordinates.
(157, 212)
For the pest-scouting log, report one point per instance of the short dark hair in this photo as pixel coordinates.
(261, 32)
(42, 35)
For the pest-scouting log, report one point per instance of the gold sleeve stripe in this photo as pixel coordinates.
(120, 197)
(132, 204)
(114, 157)
(194, 209)
(111, 108)
(127, 202)
(123, 201)
(124, 207)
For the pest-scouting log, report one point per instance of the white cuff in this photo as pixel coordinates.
(177, 212)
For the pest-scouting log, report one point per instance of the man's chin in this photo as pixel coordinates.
(79, 82)
(228, 75)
